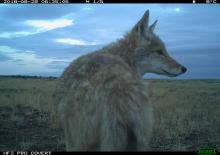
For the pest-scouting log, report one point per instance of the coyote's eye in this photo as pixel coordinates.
(160, 52)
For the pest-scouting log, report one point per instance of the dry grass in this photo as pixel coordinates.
(27, 115)
(187, 115)
(35, 93)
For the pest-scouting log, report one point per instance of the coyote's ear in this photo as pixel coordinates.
(142, 25)
(152, 27)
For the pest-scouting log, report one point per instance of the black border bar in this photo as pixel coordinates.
(106, 1)
(58, 153)
(151, 152)
(139, 1)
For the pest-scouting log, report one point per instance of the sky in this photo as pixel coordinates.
(43, 40)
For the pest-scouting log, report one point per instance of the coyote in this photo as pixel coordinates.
(103, 102)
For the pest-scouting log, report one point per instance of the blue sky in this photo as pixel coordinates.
(43, 39)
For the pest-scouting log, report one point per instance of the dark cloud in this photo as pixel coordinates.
(58, 64)
(4, 58)
(18, 60)
(8, 26)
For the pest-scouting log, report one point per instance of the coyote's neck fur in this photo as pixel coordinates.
(123, 49)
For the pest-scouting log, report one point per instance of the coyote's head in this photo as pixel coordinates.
(149, 52)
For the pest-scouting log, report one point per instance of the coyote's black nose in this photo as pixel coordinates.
(183, 69)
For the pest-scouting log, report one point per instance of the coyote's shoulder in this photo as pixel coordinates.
(98, 68)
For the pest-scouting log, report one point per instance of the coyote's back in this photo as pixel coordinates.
(103, 103)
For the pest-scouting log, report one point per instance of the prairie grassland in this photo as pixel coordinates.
(187, 115)
(28, 115)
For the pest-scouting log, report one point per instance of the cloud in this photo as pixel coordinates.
(15, 34)
(46, 25)
(29, 58)
(39, 27)
(23, 62)
(70, 41)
